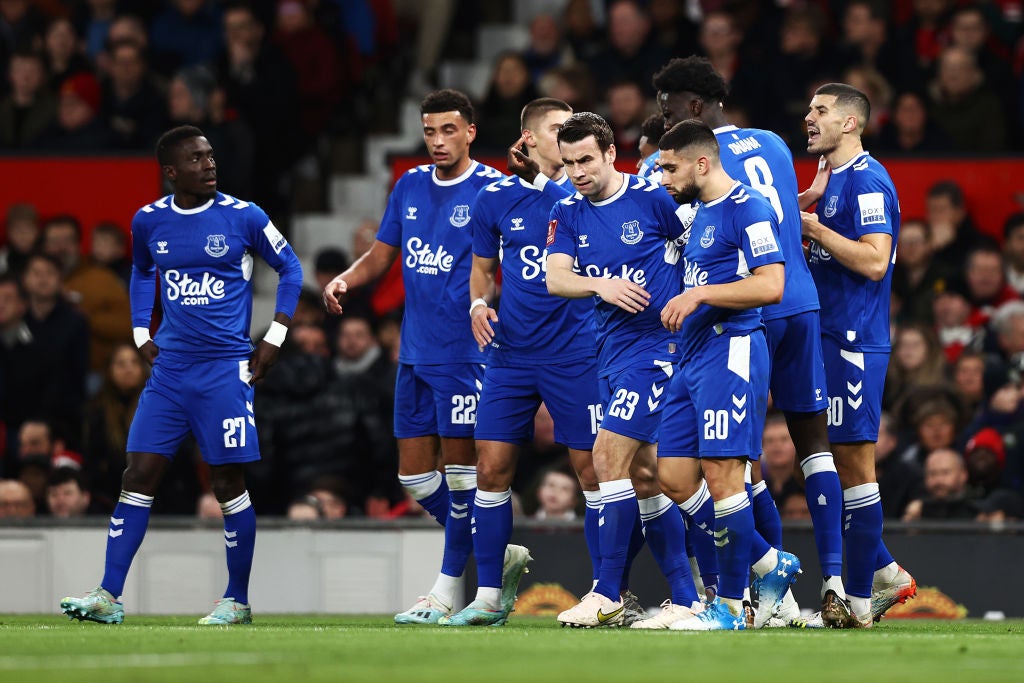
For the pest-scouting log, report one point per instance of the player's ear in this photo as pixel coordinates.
(696, 107)
(611, 152)
(850, 125)
(170, 173)
(528, 138)
(471, 132)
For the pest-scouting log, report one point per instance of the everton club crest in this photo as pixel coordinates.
(460, 216)
(708, 238)
(833, 201)
(216, 245)
(631, 232)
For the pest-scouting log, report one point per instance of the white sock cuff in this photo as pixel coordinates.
(759, 488)
(593, 499)
(747, 478)
(816, 463)
(136, 499)
(651, 508)
(236, 505)
(733, 503)
(460, 477)
(614, 491)
(766, 562)
(861, 496)
(420, 486)
(692, 504)
(492, 499)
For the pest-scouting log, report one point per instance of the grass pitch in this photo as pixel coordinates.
(528, 649)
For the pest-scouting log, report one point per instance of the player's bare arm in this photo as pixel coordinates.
(520, 164)
(481, 291)
(817, 189)
(366, 269)
(869, 256)
(762, 288)
(562, 281)
(266, 351)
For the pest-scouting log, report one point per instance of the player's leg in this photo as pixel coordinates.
(228, 483)
(766, 514)
(157, 428)
(583, 463)
(415, 420)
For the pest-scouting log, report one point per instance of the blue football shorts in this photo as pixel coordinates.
(717, 403)
(855, 383)
(212, 399)
(633, 399)
(437, 400)
(511, 396)
(798, 371)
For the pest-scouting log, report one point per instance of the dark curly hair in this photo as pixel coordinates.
(691, 74)
(582, 124)
(441, 101)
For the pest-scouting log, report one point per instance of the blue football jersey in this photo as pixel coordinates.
(205, 259)
(762, 160)
(510, 220)
(730, 237)
(428, 219)
(649, 167)
(860, 199)
(631, 235)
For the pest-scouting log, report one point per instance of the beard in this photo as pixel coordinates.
(686, 194)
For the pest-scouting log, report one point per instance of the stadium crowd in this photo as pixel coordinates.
(944, 77)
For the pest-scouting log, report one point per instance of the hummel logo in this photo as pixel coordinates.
(517, 224)
(652, 404)
(411, 213)
(603, 618)
(161, 247)
(583, 241)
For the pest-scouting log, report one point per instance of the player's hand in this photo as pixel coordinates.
(821, 177)
(808, 225)
(149, 351)
(262, 358)
(627, 295)
(482, 317)
(520, 164)
(334, 292)
(678, 308)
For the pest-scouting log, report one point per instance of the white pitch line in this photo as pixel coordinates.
(137, 661)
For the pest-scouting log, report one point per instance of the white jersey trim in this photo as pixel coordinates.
(189, 212)
(849, 163)
(618, 193)
(724, 129)
(724, 196)
(454, 181)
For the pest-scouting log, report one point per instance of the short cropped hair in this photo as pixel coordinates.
(538, 108)
(448, 100)
(583, 124)
(849, 99)
(65, 219)
(949, 189)
(653, 128)
(171, 140)
(690, 133)
(691, 74)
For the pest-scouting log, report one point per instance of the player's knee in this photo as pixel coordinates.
(140, 479)
(227, 483)
(493, 475)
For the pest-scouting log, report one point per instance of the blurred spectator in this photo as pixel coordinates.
(60, 338)
(330, 492)
(1002, 505)
(627, 109)
(186, 33)
(20, 24)
(720, 41)
(125, 28)
(19, 358)
(108, 248)
(133, 107)
(866, 42)
(107, 419)
(926, 32)
(986, 283)
(260, 87)
(78, 127)
(22, 238)
(917, 360)
(310, 309)
(571, 84)
(547, 49)
(309, 339)
(778, 455)
(951, 311)
(969, 29)
(15, 500)
(673, 29)
(899, 482)
(67, 494)
(315, 60)
(539, 453)
(389, 333)
(63, 54)
(510, 90)
(193, 98)
(581, 32)
(97, 291)
(30, 108)
(387, 294)
(936, 418)
(879, 92)
(910, 128)
(1013, 251)
(631, 54)
(945, 483)
(915, 274)
(1008, 326)
(964, 107)
(558, 495)
(304, 509)
(969, 380)
(985, 459)
(953, 232)
(40, 451)
(95, 19)
(359, 353)
(794, 505)
(432, 19)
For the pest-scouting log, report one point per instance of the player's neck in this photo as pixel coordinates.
(554, 172)
(613, 186)
(453, 172)
(717, 185)
(716, 120)
(848, 149)
(185, 200)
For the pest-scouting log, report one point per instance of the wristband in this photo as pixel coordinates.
(540, 181)
(477, 302)
(276, 334)
(141, 336)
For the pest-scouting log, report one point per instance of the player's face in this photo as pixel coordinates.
(677, 106)
(678, 176)
(824, 125)
(589, 169)
(545, 134)
(194, 171)
(447, 136)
